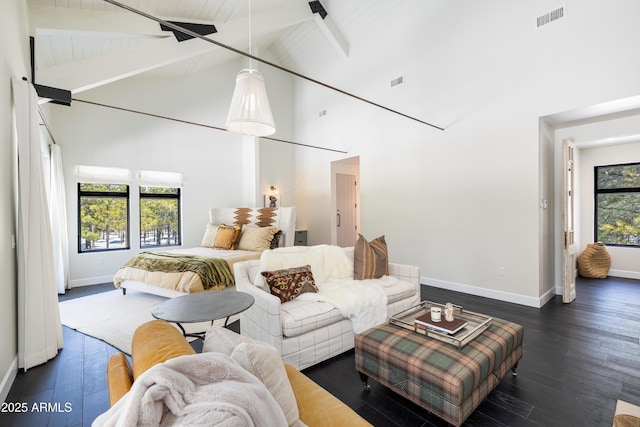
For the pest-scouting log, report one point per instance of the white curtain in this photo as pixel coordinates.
(39, 327)
(58, 210)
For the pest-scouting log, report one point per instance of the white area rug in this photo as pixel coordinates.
(113, 317)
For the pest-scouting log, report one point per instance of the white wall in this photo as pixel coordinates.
(8, 296)
(210, 160)
(463, 202)
(14, 59)
(549, 241)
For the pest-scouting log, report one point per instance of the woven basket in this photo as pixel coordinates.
(594, 262)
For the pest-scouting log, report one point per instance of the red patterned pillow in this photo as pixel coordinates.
(289, 283)
(370, 259)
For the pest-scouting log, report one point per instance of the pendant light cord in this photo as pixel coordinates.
(264, 61)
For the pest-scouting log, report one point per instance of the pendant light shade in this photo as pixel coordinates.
(250, 112)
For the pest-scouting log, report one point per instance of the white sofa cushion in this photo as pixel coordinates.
(300, 316)
(399, 291)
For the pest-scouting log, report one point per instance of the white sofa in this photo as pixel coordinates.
(305, 331)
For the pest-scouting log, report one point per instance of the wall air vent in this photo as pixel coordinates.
(548, 18)
(397, 81)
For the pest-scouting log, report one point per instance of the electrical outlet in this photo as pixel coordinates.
(501, 271)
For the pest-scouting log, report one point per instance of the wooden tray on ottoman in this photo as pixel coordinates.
(476, 323)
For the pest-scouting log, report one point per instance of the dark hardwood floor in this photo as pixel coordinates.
(578, 359)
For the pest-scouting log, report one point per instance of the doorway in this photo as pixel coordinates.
(345, 196)
(598, 139)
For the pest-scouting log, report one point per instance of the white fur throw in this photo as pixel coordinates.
(198, 389)
(327, 262)
(364, 302)
(262, 360)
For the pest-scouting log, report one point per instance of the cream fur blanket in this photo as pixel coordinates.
(200, 389)
(327, 262)
(364, 302)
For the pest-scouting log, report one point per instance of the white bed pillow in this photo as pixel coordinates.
(209, 238)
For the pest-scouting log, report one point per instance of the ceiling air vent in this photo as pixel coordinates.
(547, 18)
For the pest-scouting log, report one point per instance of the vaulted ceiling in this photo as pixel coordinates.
(82, 44)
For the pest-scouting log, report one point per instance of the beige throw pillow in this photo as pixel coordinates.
(256, 238)
(209, 238)
(219, 339)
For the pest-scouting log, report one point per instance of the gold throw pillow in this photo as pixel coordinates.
(227, 237)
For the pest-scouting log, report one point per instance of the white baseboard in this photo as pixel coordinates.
(625, 274)
(90, 281)
(7, 380)
(490, 293)
(548, 296)
(558, 289)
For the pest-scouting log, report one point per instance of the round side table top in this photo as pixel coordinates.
(203, 306)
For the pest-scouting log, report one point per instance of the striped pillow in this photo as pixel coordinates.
(370, 259)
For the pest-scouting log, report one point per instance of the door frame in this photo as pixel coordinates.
(568, 221)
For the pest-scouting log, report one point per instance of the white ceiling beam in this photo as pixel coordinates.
(83, 75)
(333, 34)
(50, 20)
(86, 74)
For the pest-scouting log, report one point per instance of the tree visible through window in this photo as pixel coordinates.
(103, 211)
(617, 201)
(159, 216)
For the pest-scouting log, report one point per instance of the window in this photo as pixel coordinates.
(617, 201)
(159, 216)
(103, 217)
(159, 208)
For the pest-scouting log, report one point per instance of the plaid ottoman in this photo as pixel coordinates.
(446, 381)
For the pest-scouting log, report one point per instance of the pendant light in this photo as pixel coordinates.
(250, 112)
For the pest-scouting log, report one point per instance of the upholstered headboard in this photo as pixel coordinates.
(283, 218)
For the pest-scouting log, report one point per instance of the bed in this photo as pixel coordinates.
(209, 267)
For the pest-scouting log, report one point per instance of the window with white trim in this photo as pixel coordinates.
(159, 208)
(103, 208)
